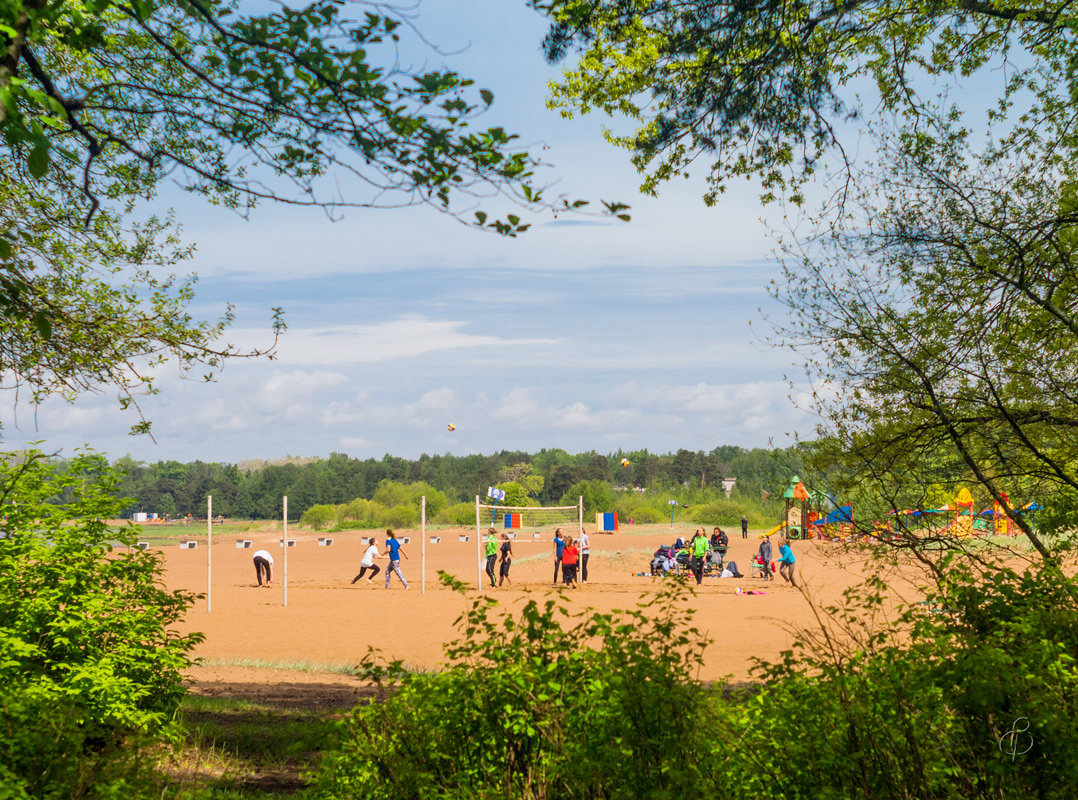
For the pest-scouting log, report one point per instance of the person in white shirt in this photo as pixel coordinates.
(585, 549)
(263, 564)
(368, 561)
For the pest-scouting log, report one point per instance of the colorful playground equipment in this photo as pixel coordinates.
(805, 518)
(960, 520)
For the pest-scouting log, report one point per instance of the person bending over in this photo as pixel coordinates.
(263, 564)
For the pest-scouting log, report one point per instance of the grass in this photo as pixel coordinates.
(234, 749)
(302, 665)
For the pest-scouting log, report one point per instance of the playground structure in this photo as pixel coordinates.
(958, 518)
(804, 516)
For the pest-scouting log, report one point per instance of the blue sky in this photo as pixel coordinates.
(580, 334)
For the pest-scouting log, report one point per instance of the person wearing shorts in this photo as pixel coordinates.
(585, 551)
(559, 549)
(394, 552)
(507, 559)
(368, 561)
(491, 545)
(569, 558)
(263, 564)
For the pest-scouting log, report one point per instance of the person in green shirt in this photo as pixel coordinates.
(491, 543)
(699, 547)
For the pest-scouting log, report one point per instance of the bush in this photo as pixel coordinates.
(318, 517)
(527, 709)
(89, 661)
(597, 494)
(643, 510)
(990, 653)
(458, 514)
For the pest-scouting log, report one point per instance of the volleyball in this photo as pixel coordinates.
(451, 427)
(625, 462)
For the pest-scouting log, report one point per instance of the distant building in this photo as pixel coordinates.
(728, 485)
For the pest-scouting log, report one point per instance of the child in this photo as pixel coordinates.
(569, 558)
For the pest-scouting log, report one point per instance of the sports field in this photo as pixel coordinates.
(251, 637)
(328, 624)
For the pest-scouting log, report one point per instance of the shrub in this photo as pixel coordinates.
(457, 514)
(90, 662)
(527, 709)
(597, 494)
(318, 517)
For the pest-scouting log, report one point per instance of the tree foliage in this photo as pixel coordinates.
(310, 106)
(763, 89)
(90, 657)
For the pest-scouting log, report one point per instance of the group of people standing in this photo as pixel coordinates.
(786, 560)
(492, 557)
(570, 554)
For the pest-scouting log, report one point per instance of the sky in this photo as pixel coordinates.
(582, 334)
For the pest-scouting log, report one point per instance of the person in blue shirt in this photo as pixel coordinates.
(394, 551)
(786, 561)
(559, 549)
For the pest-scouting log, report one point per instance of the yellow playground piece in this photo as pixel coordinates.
(774, 530)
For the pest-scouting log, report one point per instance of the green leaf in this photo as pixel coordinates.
(43, 325)
(38, 162)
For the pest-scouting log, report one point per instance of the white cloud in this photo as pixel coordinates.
(401, 338)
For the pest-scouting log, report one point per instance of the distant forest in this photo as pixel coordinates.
(254, 490)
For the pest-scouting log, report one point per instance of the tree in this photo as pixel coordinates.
(957, 303)
(935, 302)
(100, 101)
(759, 89)
(524, 475)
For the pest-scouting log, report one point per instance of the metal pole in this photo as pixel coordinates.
(284, 581)
(423, 540)
(478, 568)
(209, 553)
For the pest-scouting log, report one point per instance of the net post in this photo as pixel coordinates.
(478, 569)
(284, 581)
(580, 515)
(209, 553)
(423, 544)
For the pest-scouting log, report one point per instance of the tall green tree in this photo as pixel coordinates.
(934, 303)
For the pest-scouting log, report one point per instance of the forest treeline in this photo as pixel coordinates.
(255, 492)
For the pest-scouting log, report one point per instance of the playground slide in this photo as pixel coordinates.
(776, 529)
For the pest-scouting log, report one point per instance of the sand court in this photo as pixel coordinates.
(329, 621)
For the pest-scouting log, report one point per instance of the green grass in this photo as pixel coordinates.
(302, 665)
(236, 749)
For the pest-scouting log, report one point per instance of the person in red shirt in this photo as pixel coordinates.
(569, 557)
